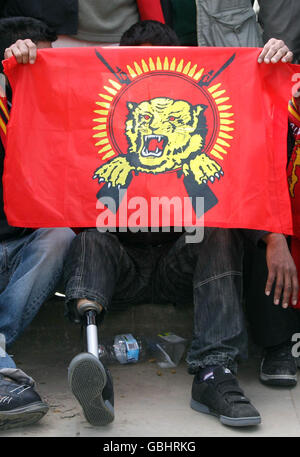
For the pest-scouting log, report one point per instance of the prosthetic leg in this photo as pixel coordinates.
(89, 380)
(89, 312)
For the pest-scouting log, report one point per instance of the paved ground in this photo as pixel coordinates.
(152, 402)
(149, 401)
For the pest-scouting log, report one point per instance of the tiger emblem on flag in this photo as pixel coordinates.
(163, 134)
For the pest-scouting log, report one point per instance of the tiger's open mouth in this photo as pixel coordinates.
(154, 145)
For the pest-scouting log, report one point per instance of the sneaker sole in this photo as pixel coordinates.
(87, 379)
(21, 417)
(231, 421)
(278, 380)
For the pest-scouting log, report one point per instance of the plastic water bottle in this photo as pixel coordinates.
(166, 349)
(124, 349)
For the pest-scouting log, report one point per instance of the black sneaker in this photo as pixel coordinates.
(220, 395)
(92, 385)
(278, 366)
(20, 404)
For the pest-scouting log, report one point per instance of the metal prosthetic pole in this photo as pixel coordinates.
(92, 332)
(87, 376)
(89, 311)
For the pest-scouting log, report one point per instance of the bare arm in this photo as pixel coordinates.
(282, 270)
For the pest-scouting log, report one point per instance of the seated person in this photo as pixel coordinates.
(32, 261)
(105, 270)
(272, 328)
(109, 270)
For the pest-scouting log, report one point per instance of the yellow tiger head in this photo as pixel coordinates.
(163, 133)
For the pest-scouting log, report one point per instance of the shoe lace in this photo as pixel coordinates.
(20, 389)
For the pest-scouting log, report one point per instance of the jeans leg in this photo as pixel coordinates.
(213, 270)
(35, 263)
(220, 330)
(5, 360)
(100, 268)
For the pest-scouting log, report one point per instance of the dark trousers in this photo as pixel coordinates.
(269, 324)
(209, 273)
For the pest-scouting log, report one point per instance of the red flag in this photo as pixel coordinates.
(132, 125)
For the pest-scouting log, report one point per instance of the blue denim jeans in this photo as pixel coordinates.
(30, 269)
(209, 274)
